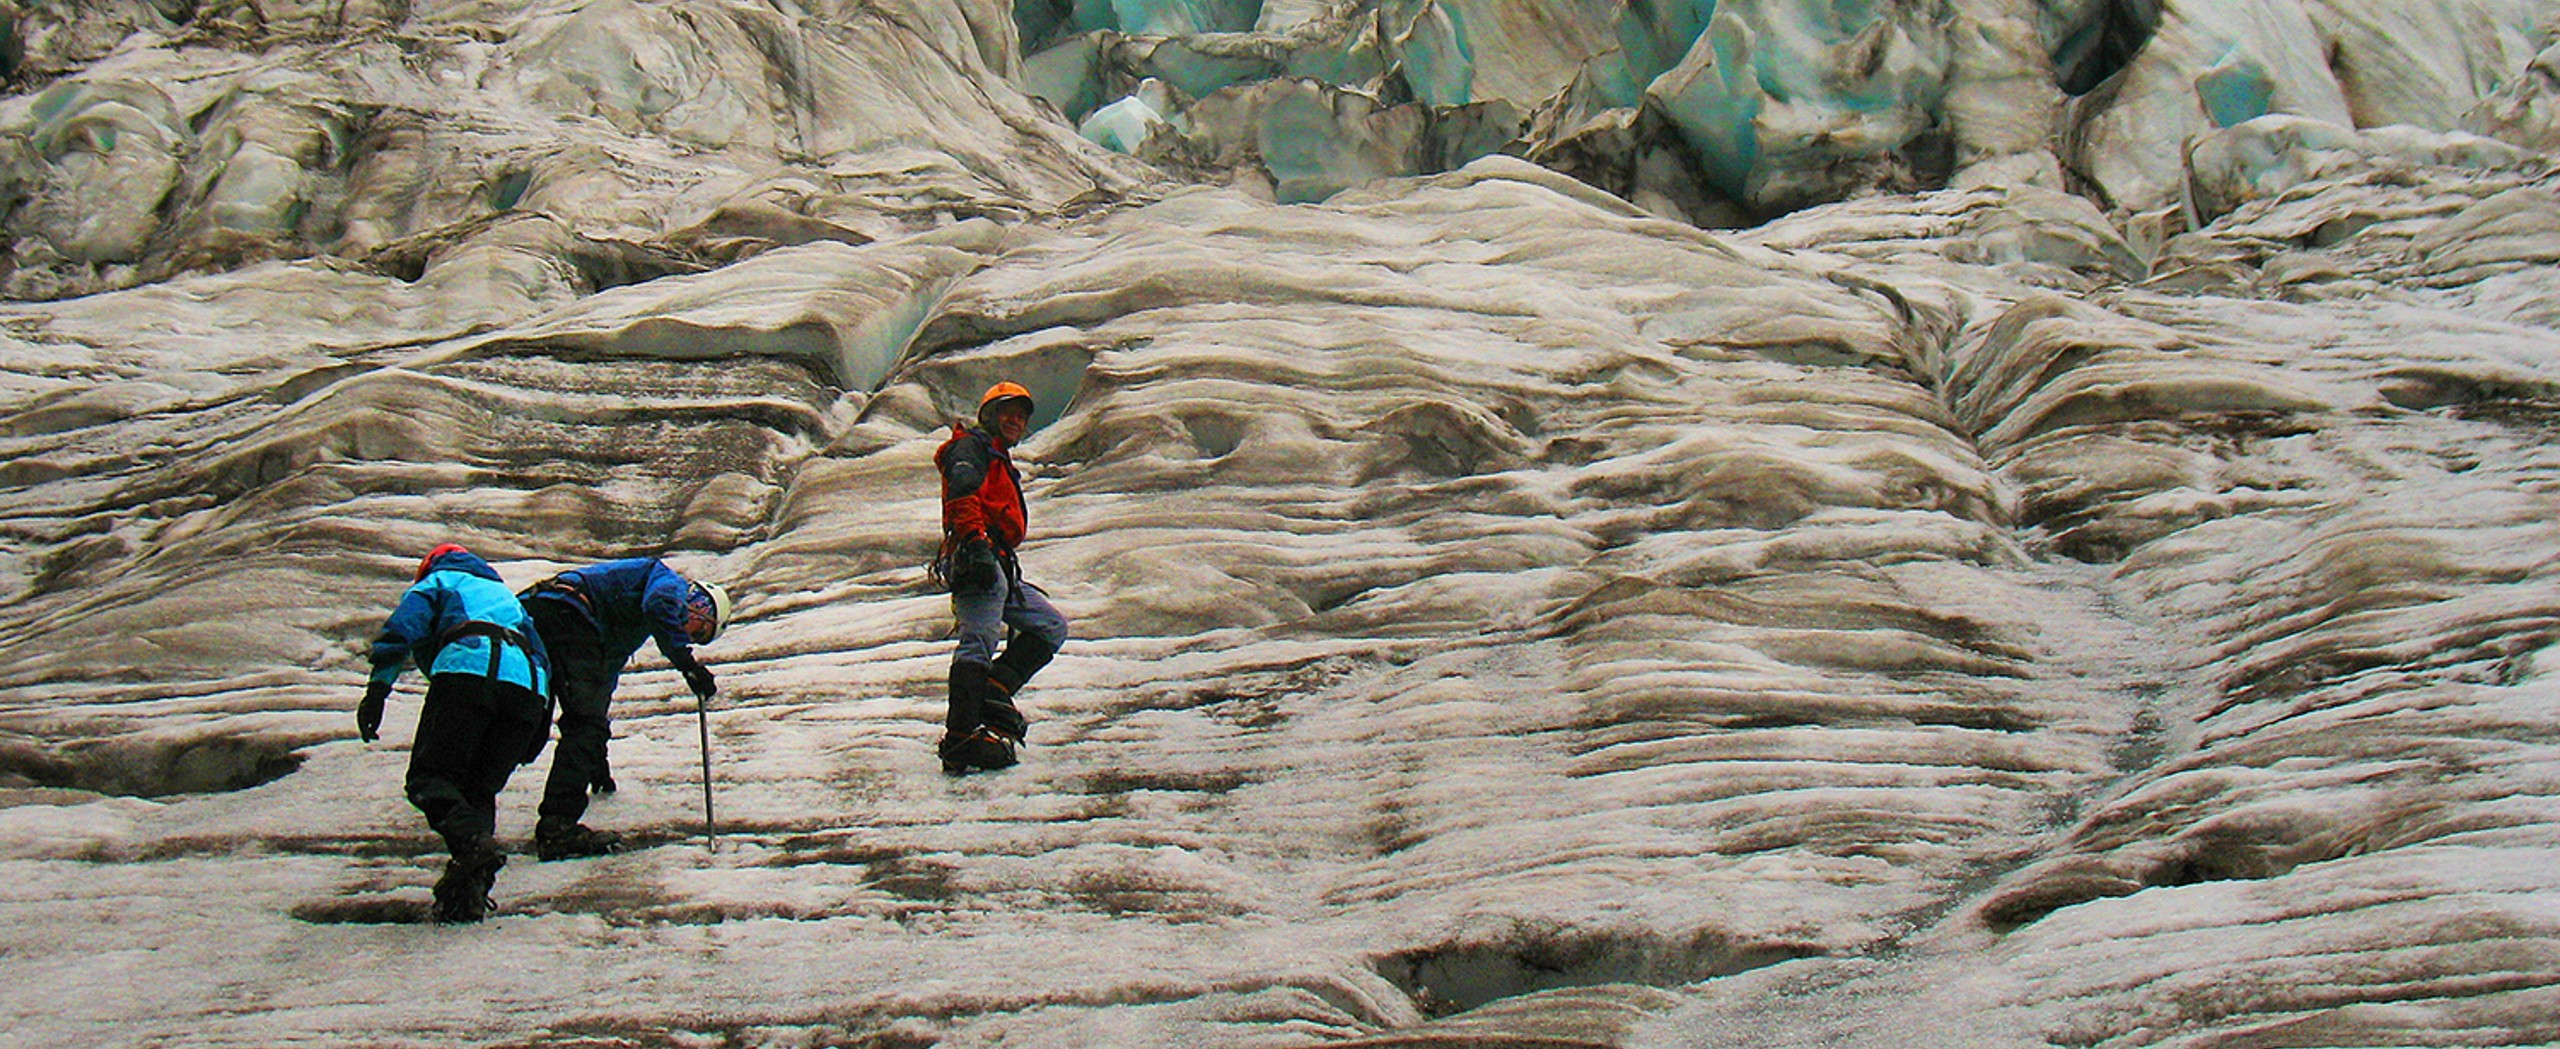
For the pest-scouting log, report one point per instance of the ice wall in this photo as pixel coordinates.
(1717, 114)
(655, 136)
(1771, 106)
(2106, 600)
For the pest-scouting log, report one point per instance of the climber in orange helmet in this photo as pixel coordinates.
(983, 523)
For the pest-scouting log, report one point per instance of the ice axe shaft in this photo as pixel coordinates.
(702, 718)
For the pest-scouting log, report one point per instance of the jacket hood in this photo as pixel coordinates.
(463, 561)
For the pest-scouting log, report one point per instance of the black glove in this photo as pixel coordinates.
(973, 566)
(698, 678)
(369, 710)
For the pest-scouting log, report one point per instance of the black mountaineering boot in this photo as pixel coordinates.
(983, 750)
(955, 760)
(554, 841)
(1023, 656)
(960, 714)
(969, 742)
(996, 710)
(462, 894)
(992, 750)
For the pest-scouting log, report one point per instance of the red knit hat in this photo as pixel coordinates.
(429, 562)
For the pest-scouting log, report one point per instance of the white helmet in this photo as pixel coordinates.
(719, 599)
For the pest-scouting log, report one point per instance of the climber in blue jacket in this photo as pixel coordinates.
(485, 711)
(595, 618)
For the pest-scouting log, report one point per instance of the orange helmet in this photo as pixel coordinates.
(1001, 394)
(1005, 391)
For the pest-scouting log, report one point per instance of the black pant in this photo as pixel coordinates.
(583, 684)
(472, 734)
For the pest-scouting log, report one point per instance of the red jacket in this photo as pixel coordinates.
(981, 491)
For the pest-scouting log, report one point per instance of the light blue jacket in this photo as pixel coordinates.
(458, 589)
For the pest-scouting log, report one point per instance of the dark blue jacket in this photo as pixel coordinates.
(629, 602)
(461, 588)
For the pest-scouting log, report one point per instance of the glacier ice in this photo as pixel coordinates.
(1123, 126)
(2081, 575)
(98, 158)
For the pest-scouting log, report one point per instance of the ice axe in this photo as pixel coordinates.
(702, 718)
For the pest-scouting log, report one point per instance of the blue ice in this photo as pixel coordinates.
(2236, 89)
(1178, 17)
(1437, 62)
(1717, 111)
